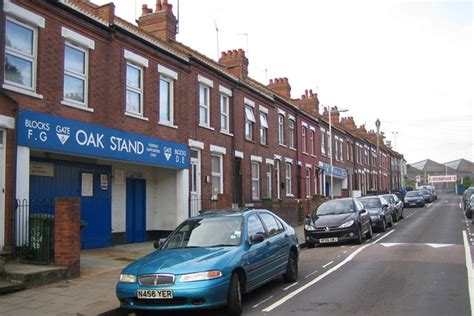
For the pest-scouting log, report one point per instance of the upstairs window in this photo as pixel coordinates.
(323, 142)
(311, 143)
(291, 136)
(281, 129)
(75, 74)
(20, 54)
(263, 129)
(303, 139)
(249, 122)
(205, 86)
(166, 92)
(224, 113)
(134, 83)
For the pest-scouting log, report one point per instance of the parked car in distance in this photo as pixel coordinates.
(414, 198)
(379, 210)
(427, 195)
(396, 204)
(209, 261)
(469, 209)
(466, 195)
(432, 190)
(337, 221)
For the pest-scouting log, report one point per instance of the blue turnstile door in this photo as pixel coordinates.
(136, 210)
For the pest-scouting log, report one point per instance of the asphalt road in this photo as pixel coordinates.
(417, 267)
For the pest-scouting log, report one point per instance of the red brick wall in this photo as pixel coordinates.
(67, 234)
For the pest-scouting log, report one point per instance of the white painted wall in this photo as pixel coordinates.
(166, 197)
(22, 190)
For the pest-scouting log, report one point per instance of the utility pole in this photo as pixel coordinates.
(377, 124)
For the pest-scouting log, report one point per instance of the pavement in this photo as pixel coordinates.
(91, 294)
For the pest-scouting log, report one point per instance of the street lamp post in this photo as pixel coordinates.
(330, 146)
(377, 124)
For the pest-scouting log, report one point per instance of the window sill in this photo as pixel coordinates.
(249, 140)
(137, 116)
(77, 106)
(206, 127)
(227, 133)
(22, 91)
(293, 148)
(283, 145)
(290, 195)
(265, 145)
(168, 125)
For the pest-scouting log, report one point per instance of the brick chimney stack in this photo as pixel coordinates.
(280, 86)
(236, 62)
(348, 123)
(309, 103)
(161, 23)
(335, 115)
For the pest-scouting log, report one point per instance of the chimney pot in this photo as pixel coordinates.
(158, 6)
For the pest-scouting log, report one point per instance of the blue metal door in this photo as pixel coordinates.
(65, 180)
(136, 214)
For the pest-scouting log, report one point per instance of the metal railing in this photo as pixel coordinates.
(33, 233)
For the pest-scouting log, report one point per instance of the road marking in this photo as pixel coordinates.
(344, 252)
(352, 247)
(470, 277)
(311, 274)
(395, 224)
(322, 276)
(439, 245)
(265, 300)
(377, 234)
(327, 264)
(429, 205)
(290, 286)
(391, 244)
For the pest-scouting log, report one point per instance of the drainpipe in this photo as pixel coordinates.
(16, 110)
(232, 155)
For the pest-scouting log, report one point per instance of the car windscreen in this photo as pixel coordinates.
(335, 207)
(389, 198)
(412, 194)
(371, 202)
(206, 232)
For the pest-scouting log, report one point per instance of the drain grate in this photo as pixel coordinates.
(124, 259)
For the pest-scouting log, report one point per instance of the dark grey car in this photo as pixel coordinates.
(379, 210)
(337, 221)
(396, 205)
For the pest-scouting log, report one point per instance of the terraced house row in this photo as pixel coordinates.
(147, 131)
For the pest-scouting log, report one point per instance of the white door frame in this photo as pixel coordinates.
(195, 172)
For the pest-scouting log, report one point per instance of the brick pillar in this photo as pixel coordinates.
(67, 234)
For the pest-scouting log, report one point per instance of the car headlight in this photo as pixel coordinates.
(200, 276)
(347, 224)
(309, 227)
(128, 278)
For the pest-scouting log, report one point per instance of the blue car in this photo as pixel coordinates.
(210, 260)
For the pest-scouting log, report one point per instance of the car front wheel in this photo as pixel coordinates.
(291, 268)
(234, 297)
(369, 232)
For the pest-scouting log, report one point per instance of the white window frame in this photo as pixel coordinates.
(33, 21)
(288, 179)
(206, 107)
(263, 128)
(170, 76)
(303, 139)
(277, 178)
(255, 180)
(249, 122)
(323, 142)
(269, 180)
(308, 182)
(217, 175)
(138, 62)
(84, 77)
(291, 133)
(312, 134)
(133, 89)
(281, 129)
(224, 115)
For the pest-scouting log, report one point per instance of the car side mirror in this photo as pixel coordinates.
(385, 205)
(363, 211)
(158, 243)
(256, 238)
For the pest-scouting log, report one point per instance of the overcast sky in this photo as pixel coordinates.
(408, 63)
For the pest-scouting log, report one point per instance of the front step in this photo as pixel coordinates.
(9, 286)
(34, 275)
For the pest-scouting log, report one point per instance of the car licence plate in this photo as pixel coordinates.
(154, 294)
(326, 240)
